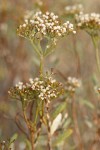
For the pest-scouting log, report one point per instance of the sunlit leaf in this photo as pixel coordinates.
(56, 123)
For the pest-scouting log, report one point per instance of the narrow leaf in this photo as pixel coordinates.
(56, 123)
(87, 103)
(62, 136)
(58, 110)
(13, 138)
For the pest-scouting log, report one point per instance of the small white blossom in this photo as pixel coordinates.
(88, 21)
(47, 24)
(74, 9)
(43, 88)
(71, 84)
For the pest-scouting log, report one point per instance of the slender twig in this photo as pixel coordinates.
(41, 64)
(95, 43)
(38, 132)
(36, 49)
(77, 57)
(48, 125)
(76, 128)
(31, 110)
(39, 124)
(31, 130)
(20, 126)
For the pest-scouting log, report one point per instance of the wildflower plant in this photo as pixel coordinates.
(74, 10)
(47, 26)
(44, 30)
(42, 88)
(71, 85)
(37, 94)
(71, 11)
(91, 24)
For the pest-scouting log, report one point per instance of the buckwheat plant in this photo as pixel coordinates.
(40, 26)
(71, 85)
(91, 24)
(37, 94)
(74, 9)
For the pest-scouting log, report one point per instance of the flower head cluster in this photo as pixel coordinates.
(43, 88)
(44, 24)
(88, 21)
(71, 84)
(74, 9)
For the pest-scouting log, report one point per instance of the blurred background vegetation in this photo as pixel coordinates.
(73, 57)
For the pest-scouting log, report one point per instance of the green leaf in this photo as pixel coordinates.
(67, 123)
(58, 110)
(13, 138)
(28, 144)
(63, 136)
(87, 103)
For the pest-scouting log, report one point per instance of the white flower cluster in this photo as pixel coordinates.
(47, 24)
(74, 9)
(45, 88)
(91, 21)
(72, 84)
(20, 85)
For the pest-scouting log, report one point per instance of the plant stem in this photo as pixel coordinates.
(77, 56)
(30, 128)
(20, 126)
(36, 49)
(41, 64)
(76, 127)
(32, 138)
(48, 126)
(95, 43)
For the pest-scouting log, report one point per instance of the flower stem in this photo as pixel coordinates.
(30, 128)
(48, 126)
(32, 138)
(95, 43)
(41, 64)
(77, 56)
(76, 127)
